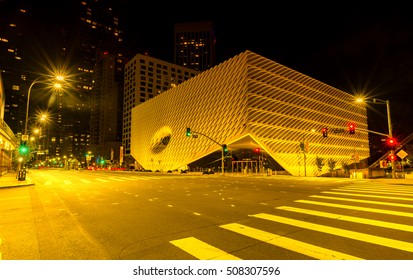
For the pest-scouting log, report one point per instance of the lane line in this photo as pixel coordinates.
(348, 218)
(202, 250)
(369, 238)
(288, 243)
(351, 207)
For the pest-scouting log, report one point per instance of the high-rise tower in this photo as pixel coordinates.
(195, 45)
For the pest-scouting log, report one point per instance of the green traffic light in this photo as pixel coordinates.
(224, 148)
(188, 132)
(23, 149)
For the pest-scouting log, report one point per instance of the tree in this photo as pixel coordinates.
(331, 165)
(346, 167)
(320, 163)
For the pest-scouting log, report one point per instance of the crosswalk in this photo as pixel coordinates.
(352, 205)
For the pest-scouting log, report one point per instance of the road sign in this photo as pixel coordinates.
(402, 154)
(25, 137)
(338, 130)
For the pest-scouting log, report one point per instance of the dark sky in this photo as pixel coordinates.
(351, 46)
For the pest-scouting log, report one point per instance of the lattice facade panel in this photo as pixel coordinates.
(249, 95)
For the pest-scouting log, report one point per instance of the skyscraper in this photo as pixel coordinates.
(96, 31)
(145, 78)
(13, 15)
(195, 45)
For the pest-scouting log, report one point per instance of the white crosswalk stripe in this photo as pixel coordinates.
(379, 196)
(102, 180)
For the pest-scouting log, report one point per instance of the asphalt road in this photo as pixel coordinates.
(96, 215)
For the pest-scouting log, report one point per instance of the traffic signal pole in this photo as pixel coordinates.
(223, 146)
(393, 170)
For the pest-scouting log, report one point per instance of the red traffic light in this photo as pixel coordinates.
(324, 130)
(392, 157)
(257, 150)
(351, 128)
(391, 141)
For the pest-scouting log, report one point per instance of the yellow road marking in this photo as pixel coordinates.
(288, 243)
(369, 238)
(365, 209)
(349, 218)
(202, 250)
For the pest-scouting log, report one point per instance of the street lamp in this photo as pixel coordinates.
(390, 135)
(57, 84)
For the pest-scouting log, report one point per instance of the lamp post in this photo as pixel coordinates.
(57, 84)
(390, 135)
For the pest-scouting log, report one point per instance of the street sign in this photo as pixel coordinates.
(402, 154)
(25, 137)
(338, 130)
(355, 157)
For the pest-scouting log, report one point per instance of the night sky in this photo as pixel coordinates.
(351, 46)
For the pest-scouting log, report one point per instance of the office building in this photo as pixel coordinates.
(145, 78)
(96, 30)
(8, 140)
(195, 45)
(13, 61)
(106, 109)
(251, 104)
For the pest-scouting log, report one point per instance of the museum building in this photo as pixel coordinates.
(270, 117)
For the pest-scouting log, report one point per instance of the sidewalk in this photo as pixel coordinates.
(10, 180)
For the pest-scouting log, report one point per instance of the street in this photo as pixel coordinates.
(104, 215)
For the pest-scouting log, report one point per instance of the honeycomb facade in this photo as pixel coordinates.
(245, 102)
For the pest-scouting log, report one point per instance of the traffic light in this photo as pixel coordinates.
(391, 142)
(392, 157)
(352, 128)
(324, 130)
(23, 149)
(224, 148)
(188, 132)
(257, 150)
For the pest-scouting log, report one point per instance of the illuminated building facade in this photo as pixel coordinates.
(247, 102)
(145, 78)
